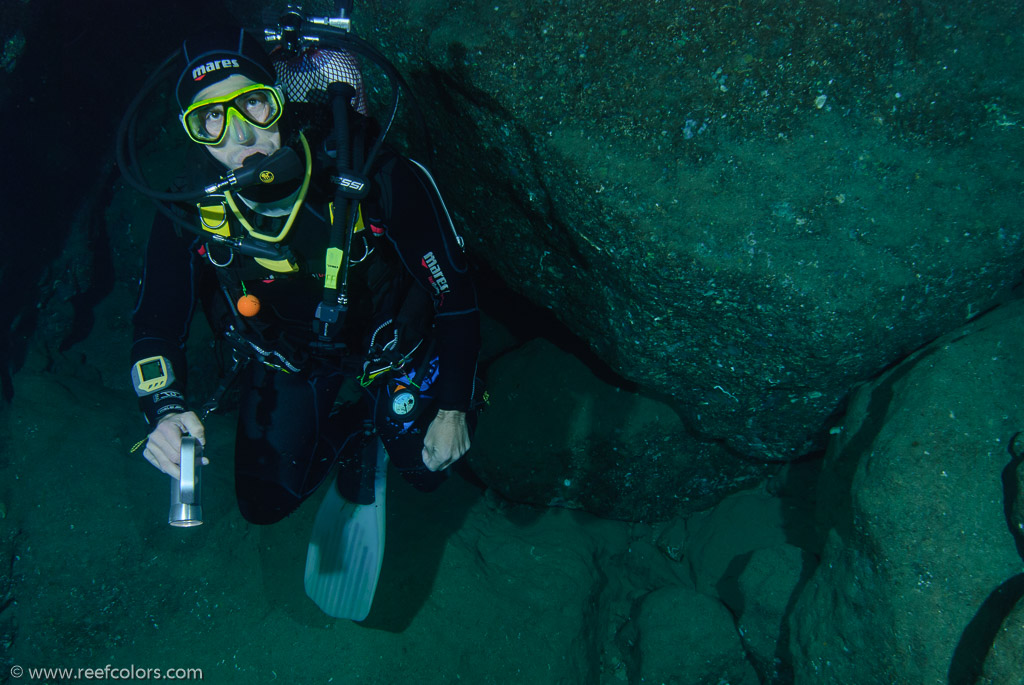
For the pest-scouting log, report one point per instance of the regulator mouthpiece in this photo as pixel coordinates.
(259, 169)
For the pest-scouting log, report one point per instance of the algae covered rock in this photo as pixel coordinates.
(918, 578)
(749, 209)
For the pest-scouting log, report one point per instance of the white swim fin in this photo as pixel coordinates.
(346, 550)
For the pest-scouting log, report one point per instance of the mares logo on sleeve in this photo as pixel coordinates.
(436, 277)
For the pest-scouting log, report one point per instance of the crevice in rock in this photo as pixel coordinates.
(979, 635)
(92, 221)
(732, 599)
(627, 639)
(527, 321)
(591, 641)
(1011, 494)
(859, 444)
(783, 650)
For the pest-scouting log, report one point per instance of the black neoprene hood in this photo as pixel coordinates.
(217, 54)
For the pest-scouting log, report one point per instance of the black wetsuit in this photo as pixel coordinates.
(289, 432)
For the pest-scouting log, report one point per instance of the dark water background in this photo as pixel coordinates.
(80, 66)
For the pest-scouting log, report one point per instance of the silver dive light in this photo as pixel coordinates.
(186, 492)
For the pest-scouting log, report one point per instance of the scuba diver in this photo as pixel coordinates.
(321, 257)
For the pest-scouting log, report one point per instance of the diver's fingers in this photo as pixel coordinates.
(163, 448)
(428, 459)
(166, 440)
(192, 425)
(160, 458)
(438, 460)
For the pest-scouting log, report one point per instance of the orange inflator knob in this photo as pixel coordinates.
(248, 305)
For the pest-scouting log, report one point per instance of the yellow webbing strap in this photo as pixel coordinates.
(333, 266)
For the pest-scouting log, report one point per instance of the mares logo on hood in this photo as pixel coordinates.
(203, 69)
(436, 278)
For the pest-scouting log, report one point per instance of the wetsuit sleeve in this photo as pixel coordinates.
(163, 313)
(418, 225)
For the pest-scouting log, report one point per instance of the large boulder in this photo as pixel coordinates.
(746, 208)
(767, 584)
(919, 499)
(686, 638)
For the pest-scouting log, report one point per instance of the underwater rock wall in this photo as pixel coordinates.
(555, 434)
(747, 208)
(919, 501)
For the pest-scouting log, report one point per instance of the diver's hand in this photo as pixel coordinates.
(163, 448)
(447, 440)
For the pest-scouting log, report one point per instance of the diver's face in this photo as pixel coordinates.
(242, 139)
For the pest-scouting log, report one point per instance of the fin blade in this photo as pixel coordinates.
(346, 550)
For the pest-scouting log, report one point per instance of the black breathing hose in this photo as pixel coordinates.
(341, 95)
(125, 148)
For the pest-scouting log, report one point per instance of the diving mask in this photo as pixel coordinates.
(207, 121)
